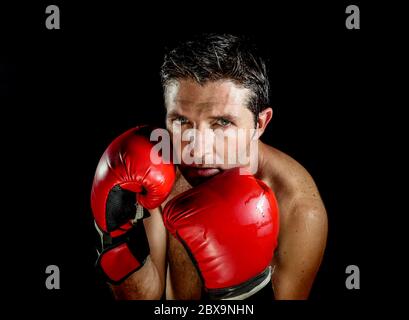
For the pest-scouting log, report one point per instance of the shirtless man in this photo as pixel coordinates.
(218, 82)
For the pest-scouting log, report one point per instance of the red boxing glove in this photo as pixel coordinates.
(229, 225)
(126, 180)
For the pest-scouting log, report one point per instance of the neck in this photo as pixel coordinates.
(260, 160)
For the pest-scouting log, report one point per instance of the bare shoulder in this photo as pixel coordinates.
(296, 191)
(303, 224)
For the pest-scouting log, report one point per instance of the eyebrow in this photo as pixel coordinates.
(229, 117)
(173, 114)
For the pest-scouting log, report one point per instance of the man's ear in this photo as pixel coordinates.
(264, 117)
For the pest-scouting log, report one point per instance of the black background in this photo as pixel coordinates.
(69, 92)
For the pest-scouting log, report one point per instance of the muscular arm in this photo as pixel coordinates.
(303, 224)
(148, 282)
(302, 242)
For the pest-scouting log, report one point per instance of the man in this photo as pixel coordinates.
(217, 85)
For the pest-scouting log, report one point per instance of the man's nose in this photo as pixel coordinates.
(202, 144)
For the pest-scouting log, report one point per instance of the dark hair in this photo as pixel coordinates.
(212, 57)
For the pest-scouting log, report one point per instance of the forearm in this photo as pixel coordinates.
(290, 292)
(145, 284)
(288, 285)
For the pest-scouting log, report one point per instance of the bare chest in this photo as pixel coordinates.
(183, 281)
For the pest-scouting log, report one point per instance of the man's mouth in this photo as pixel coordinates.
(204, 172)
(198, 174)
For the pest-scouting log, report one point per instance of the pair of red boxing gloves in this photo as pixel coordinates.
(228, 224)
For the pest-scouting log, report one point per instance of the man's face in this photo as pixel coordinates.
(210, 125)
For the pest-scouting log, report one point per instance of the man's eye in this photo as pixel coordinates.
(223, 122)
(181, 120)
